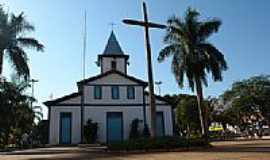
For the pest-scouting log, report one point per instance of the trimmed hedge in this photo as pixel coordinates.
(157, 143)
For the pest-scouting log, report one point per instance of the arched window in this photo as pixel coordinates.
(130, 92)
(115, 92)
(113, 65)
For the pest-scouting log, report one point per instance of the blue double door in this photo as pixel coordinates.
(114, 126)
(65, 128)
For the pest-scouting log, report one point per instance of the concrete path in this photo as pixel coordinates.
(230, 150)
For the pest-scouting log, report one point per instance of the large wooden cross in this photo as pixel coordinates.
(146, 24)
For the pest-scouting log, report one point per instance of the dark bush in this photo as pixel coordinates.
(41, 132)
(146, 132)
(134, 129)
(157, 143)
(90, 131)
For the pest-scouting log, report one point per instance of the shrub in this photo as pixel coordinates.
(2, 146)
(90, 131)
(40, 132)
(134, 129)
(157, 143)
(146, 132)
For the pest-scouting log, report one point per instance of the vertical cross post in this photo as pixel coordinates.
(146, 24)
(150, 74)
(112, 25)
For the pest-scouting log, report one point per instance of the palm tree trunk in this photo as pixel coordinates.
(200, 102)
(188, 131)
(206, 116)
(1, 61)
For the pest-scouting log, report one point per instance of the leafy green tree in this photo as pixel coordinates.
(228, 116)
(13, 41)
(16, 115)
(187, 116)
(193, 56)
(175, 99)
(249, 100)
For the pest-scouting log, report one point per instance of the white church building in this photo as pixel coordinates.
(112, 98)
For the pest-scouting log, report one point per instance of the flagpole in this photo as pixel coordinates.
(83, 74)
(84, 43)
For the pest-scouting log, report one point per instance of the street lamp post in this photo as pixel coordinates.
(33, 81)
(158, 83)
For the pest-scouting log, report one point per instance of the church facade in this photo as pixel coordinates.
(112, 99)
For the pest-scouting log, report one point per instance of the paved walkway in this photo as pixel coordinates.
(240, 150)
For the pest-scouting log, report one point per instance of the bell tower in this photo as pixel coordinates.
(113, 57)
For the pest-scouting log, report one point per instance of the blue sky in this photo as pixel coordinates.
(243, 38)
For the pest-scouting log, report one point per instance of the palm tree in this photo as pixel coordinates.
(193, 56)
(13, 42)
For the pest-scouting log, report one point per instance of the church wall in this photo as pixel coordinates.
(107, 99)
(120, 64)
(98, 114)
(106, 64)
(106, 83)
(167, 115)
(55, 123)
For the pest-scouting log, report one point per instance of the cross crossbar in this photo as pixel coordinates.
(144, 24)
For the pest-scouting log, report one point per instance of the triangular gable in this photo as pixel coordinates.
(159, 99)
(112, 77)
(71, 98)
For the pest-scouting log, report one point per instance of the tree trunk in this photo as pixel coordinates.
(188, 131)
(200, 104)
(6, 136)
(1, 61)
(206, 116)
(224, 125)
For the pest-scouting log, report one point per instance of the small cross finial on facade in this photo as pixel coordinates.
(112, 24)
(51, 96)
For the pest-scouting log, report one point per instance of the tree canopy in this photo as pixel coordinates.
(14, 41)
(246, 105)
(17, 117)
(193, 56)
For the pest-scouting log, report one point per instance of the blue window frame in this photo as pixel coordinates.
(97, 92)
(115, 92)
(130, 92)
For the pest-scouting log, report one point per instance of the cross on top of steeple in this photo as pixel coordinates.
(112, 25)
